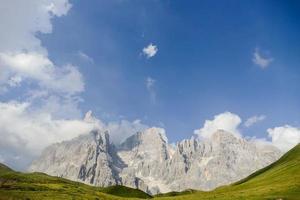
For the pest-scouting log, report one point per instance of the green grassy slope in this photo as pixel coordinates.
(16, 185)
(280, 180)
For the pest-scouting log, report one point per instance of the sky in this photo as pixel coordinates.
(190, 67)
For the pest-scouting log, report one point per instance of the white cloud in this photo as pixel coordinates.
(59, 7)
(27, 132)
(150, 50)
(258, 59)
(285, 137)
(254, 119)
(22, 57)
(85, 57)
(59, 107)
(226, 121)
(37, 67)
(150, 83)
(21, 20)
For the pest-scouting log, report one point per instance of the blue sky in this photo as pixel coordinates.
(172, 64)
(203, 65)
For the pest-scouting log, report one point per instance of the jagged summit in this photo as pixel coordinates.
(146, 161)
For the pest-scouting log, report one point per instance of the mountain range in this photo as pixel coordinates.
(279, 180)
(147, 161)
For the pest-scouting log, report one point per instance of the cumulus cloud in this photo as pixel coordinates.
(24, 61)
(37, 67)
(285, 137)
(150, 50)
(261, 61)
(150, 83)
(254, 119)
(18, 31)
(22, 57)
(27, 132)
(226, 121)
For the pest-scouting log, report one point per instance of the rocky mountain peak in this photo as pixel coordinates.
(158, 133)
(150, 138)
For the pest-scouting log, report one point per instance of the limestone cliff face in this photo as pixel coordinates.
(90, 159)
(146, 161)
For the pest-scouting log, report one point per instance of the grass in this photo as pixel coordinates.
(280, 180)
(37, 186)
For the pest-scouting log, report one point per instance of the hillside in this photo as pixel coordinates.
(16, 185)
(280, 180)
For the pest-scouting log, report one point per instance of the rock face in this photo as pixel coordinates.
(90, 159)
(146, 161)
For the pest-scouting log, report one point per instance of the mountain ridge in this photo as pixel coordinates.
(280, 180)
(146, 161)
